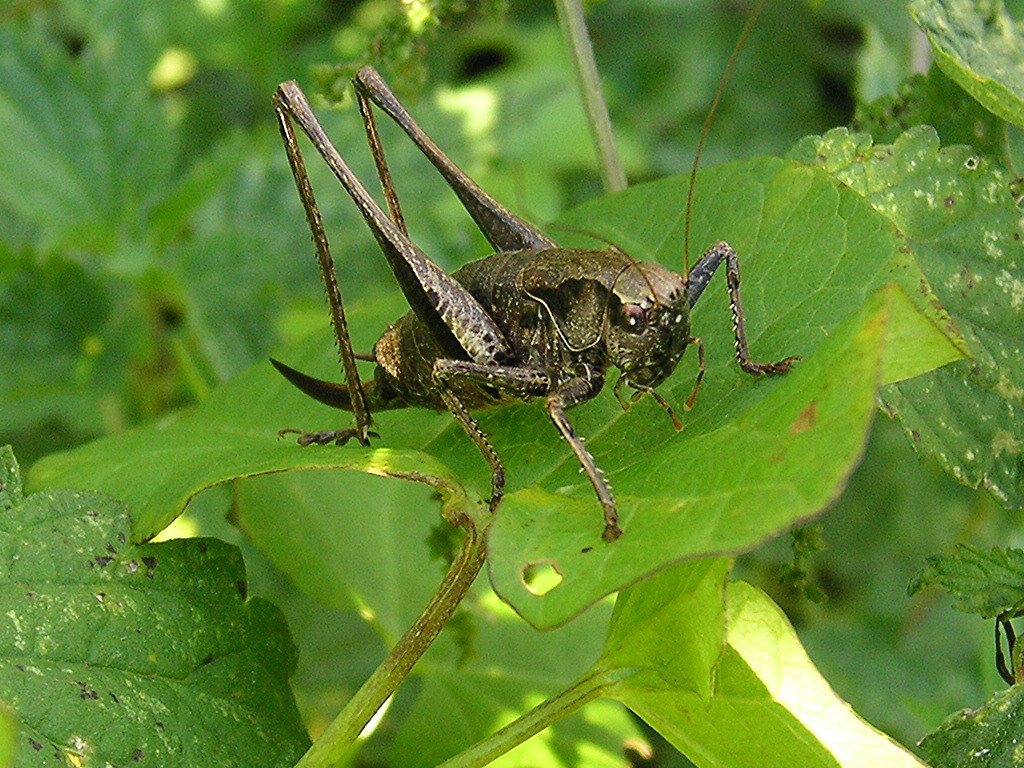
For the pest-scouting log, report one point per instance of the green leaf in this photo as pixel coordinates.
(960, 217)
(933, 99)
(789, 455)
(671, 627)
(976, 44)
(8, 736)
(769, 706)
(688, 500)
(778, 212)
(987, 583)
(120, 654)
(88, 152)
(233, 434)
(369, 559)
(512, 668)
(988, 736)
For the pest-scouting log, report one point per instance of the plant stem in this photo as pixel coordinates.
(340, 736)
(589, 687)
(574, 31)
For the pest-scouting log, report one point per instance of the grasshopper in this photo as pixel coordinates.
(532, 320)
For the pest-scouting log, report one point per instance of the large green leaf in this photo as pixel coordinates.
(745, 479)
(976, 44)
(120, 654)
(233, 434)
(708, 489)
(959, 214)
(768, 705)
(779, 214)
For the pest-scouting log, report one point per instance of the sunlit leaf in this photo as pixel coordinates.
(769, 706)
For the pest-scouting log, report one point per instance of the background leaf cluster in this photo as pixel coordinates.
(152, 248)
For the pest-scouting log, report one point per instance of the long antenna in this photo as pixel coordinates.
(747, 26)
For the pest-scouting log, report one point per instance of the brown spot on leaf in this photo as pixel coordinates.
(806, 420)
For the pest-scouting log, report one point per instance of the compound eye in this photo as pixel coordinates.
(634, 317)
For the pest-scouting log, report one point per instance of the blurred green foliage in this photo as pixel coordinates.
(152, 247)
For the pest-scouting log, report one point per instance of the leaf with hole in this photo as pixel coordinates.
(779, 215)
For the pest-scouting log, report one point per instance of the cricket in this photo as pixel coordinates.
(530, 321)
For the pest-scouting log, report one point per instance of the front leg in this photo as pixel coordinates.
(573, 392)
(698, 279)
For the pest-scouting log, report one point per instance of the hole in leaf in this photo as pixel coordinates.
(540, 578)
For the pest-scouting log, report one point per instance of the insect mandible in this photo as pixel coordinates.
(532, 320)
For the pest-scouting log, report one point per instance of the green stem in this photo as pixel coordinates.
(589, 687)
(574, 30)
(338, 740)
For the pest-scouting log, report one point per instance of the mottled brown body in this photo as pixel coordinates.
(560, 309)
